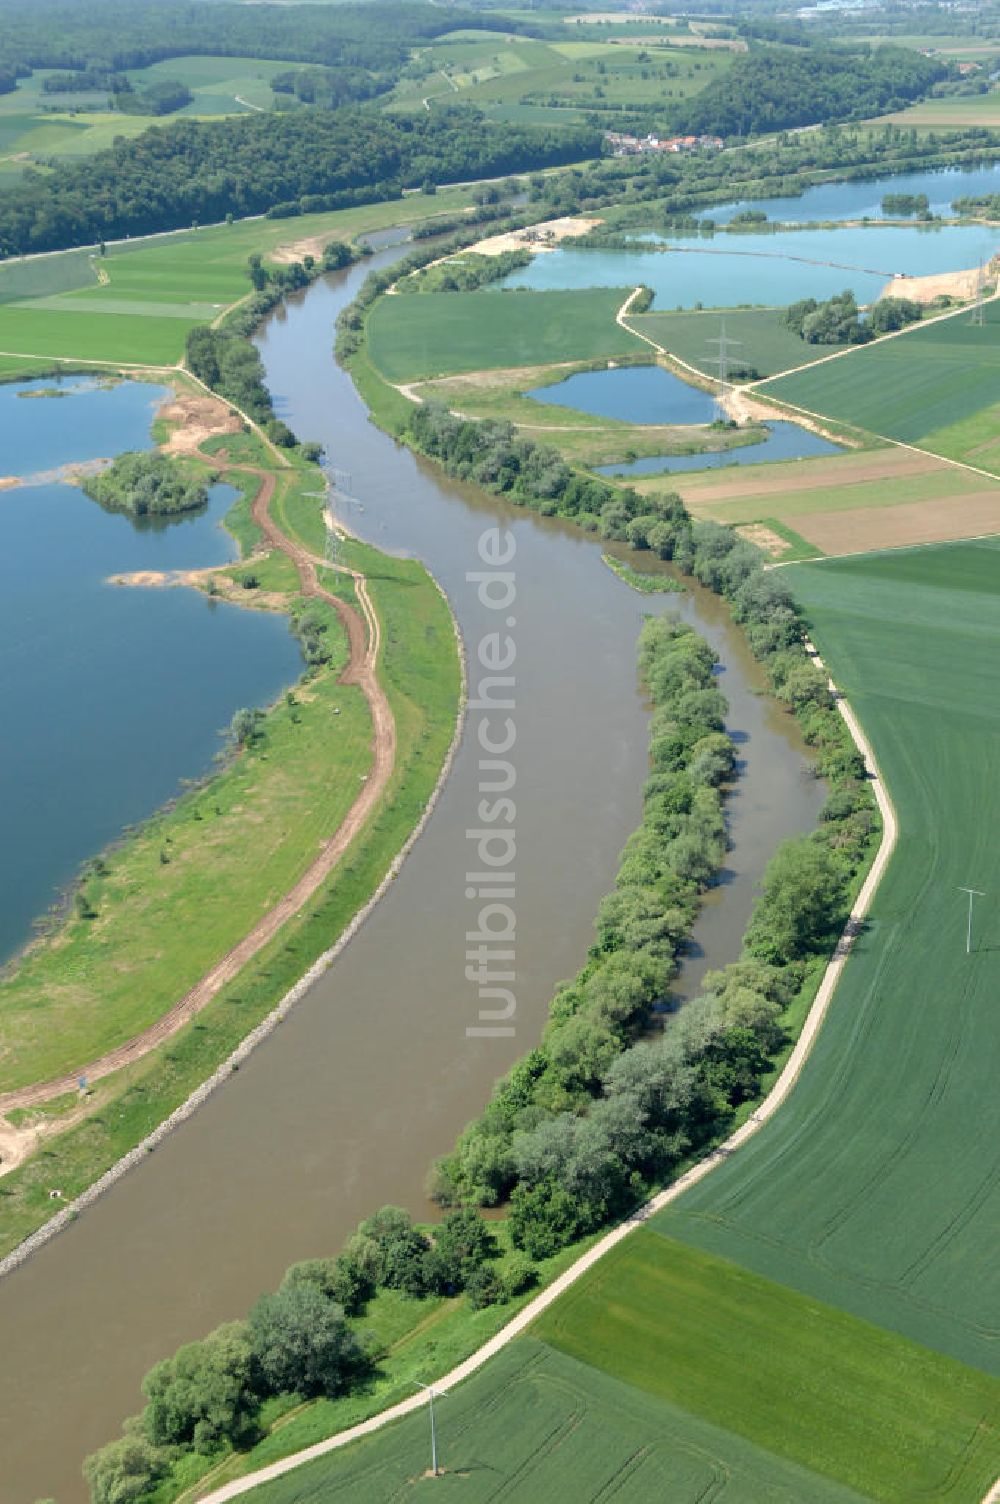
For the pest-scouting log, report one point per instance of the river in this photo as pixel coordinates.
(373, 1073)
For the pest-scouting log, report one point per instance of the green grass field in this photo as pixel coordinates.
(764, 341)
(157, 288)
(667, 1373)
(439, 334)
(949, 114)
(906, 387)
(877, 1186)
(553, 83)
(36, 125)
(538, 1425)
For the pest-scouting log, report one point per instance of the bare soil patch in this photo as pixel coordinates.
(764, 538)
(541, 237)
(197, 418)
(866, 528)
(961, 284)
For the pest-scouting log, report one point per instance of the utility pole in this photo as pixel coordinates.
(973, 893)
(726, 346)
(435, 1473)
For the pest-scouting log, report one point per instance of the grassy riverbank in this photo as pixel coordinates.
(173, 897)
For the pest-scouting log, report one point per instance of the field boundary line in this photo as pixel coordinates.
(772, 1102)
(821, 360)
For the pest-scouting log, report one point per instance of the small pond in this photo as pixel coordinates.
(785, 441)
(634, 394)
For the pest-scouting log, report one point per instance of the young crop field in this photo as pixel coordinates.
(535, 1425)
(881, 1415)
(877, 1186)
(909, 386)
(440, 334)
(762, 340)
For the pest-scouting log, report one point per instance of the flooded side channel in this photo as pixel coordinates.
(373, 1074)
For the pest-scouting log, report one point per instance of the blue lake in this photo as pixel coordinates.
(767, 269)
(636, 394)
(113, 695)
(785, 441)
(86, 422)
(857, 199)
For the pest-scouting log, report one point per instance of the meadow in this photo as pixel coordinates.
(876, 1186)
(440, 334)
(948, 114)
(761, 340)
(907, 387)
(35, 126)
(554, 82)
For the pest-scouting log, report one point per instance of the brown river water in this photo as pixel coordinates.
(373, 1074)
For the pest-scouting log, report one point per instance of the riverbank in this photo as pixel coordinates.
(562, 1280)
(172, 870)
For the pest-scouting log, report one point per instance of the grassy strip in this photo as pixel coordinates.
(646, 584)
(422, 678)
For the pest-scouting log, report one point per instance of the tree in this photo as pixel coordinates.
(245, 728)
(543, 1218)
(202, 1395)
(301, 1344)
(341, 1280)
(391, 1250)
(124, 1471)
(462, 1245)
(802, 903)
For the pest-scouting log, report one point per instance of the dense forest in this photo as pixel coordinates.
(776, 90)
(193, 172)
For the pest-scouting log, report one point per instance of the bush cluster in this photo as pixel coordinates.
(146, 484)
(839, 320)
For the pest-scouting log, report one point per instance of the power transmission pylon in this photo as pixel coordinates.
(726, 345)
(338, 498)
